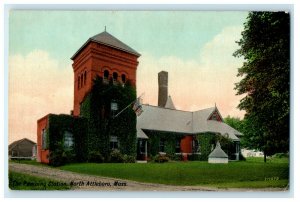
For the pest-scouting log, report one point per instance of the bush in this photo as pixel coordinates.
(161, 159)
(95, 157)
(175, 157)
(129, 159)
(116, 157)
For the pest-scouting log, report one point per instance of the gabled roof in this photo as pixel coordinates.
(109, 40)
(15, 143)
(171, 120)
(169, 103)
(218, 152)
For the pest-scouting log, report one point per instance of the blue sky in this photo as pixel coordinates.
(195, 47)
(158, 33)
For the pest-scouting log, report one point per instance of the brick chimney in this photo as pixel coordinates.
(162, 88)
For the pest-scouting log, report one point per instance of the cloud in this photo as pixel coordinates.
(198, 83)
(38, 85)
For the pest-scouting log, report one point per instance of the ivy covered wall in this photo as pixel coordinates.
(57, 126)
(96, 107)
(207, 141)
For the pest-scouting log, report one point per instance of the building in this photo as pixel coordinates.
(104, 84)
(23, 148)
(108, 58)
(181, 130)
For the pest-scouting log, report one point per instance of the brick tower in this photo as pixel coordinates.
(105, 56)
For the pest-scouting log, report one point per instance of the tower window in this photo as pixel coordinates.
(81, 80)
(106, 75)
(115, 76)
(123, 77)
(84, 78)
(78, 82)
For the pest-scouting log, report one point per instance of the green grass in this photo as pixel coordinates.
(253, 173)
(20, 181)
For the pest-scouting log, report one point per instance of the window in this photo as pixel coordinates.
(115, 77)
(44, 139)
(78, 82)
(142, 146)
(113, 108)
(114, 144)
(84, 78)
(195, 146)
(81, 80)
(162, 145)
(123, 77)
(68, 139)
(177, 146)
(106, 75)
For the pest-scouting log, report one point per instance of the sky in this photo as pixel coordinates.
(195, 47)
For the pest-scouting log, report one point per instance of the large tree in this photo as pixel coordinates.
(265, 46)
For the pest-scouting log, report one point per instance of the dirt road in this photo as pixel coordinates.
(90, 182)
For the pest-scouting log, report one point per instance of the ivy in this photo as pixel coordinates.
(102, 123)
(58, 125)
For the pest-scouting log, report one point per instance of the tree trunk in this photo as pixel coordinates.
(265, 157)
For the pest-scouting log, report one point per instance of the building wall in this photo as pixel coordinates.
(93, 60)
(42, 154)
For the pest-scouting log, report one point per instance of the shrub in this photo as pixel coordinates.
(161, 159)
(95, 157)
(175, 157)
(129, 159)
(116, 157)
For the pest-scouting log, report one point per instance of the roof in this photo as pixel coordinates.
(169, 103)
(109, 40)
(218, 152)
(172, 120)
(15, 143)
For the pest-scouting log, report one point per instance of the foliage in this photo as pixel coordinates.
(265, 45)
(95, 157)
(192, 172)
(161, 158)
(116, 156)
(206, 141)
(58, 125)
(175, 157)
(20, 181)
(102, 124)
(129, 159)
(195, 157)
(234, 122)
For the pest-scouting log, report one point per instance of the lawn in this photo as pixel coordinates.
(20, 181)
(253, 173)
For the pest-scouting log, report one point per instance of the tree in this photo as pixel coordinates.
(265, 46)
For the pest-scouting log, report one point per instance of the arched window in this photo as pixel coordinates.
(78, 85)
(123, 77)
(115, 76)
(84, 78)
(105, 76)
(81, 80)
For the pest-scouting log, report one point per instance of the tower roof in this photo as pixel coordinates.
(109, 40)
